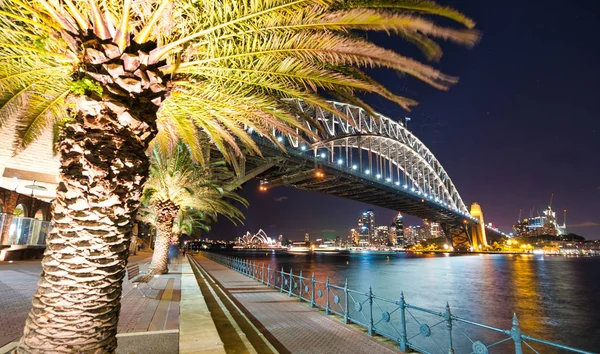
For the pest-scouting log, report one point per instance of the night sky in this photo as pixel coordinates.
(521, 124)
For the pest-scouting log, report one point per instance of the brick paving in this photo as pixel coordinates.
(158, 311)
(296, 326)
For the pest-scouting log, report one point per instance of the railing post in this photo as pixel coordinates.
(515, 333)
(300, 284)
(346, 301)
(327, 296)
(403, 337)
(281, 285)
(262, 274)
(312, 293)
(268, 275)
(448, 316)
(290, 283)
(370, 310)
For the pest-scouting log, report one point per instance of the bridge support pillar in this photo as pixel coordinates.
(478, 230)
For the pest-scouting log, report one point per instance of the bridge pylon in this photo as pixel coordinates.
(478, 236)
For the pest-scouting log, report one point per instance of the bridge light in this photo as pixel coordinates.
(280, 139)
(412, 189)
(319, 174)
(388, 179)
(262, 188)
(367, 172)
(323, 155)
(303, 147)
(340, 162)
(250, 130)
(354, 167)
(378, 176)
(422, 200)
(405, 186)
(397, 183)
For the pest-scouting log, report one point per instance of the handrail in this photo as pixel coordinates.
(395, 316)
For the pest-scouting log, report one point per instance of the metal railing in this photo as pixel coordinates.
(20, 231)
(412, 327)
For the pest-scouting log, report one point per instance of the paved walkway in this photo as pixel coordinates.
(155, 316)
(295, 327)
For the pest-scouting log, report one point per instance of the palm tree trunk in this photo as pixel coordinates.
(160, 257)
(104, 167)
(165, 215)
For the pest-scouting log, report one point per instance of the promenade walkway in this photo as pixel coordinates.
(146, 324)
(288, 325)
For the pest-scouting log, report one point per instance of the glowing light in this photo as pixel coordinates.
(303, 148)
(405, 186)
(354, 167)
(397, 183)
(280, 139)
(323, 155)
(340, 161)
(378, 176)
(445, 246)
(388, 179)
(250, 130)
(367, 172)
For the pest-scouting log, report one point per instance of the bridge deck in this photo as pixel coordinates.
(297, 327)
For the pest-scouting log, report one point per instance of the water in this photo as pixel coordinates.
(555, 298)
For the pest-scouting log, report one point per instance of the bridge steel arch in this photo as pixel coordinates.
(377, 145)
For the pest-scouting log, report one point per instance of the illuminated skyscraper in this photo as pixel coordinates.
(399, 223)
(366, 228)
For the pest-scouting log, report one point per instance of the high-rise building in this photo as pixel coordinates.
(353, 237)
(382, 235)
(366, 228)
(393, 234)
(412, 234)
(399, 226)
(306, 238)
(435, 230)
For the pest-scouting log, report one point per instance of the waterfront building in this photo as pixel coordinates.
(435, 229)
(399, 227)
(544, 224)
(366, 228)
(306, 238)
(393, 233)
(413, 234)
(353, 237)
(382, 236)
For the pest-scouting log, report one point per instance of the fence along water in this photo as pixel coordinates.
(412, 327)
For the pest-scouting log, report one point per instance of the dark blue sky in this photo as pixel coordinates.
(521, 124)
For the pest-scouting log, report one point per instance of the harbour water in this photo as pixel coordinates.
(555, 298)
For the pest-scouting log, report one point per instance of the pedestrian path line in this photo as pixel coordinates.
(294, 325)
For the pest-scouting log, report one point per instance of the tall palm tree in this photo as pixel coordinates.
(175, 185)
(109, 76)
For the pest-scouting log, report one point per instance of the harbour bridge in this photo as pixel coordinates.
(368, 158)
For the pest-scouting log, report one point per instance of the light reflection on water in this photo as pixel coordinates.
(555, 298)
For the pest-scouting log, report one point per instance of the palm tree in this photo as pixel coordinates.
(111, 76)
(176, 185)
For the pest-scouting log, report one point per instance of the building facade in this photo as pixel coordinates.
(366, 228)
